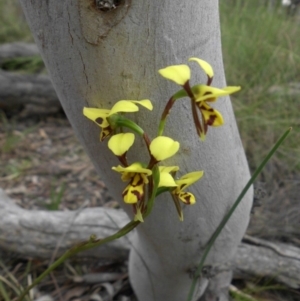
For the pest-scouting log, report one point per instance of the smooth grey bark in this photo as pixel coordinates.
(96, 58)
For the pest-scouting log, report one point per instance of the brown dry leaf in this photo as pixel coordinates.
(75, 292)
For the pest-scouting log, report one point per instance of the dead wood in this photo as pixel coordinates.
(40, 234)
(43, 234)
(19, 49)
(19, 90)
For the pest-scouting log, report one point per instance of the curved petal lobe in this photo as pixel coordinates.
(119, 144)
(179, 74)
(163, 147)
(204, 65)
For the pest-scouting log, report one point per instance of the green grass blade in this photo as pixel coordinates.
(230, 212)
(3, 292)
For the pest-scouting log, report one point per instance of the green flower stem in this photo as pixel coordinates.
(91, 243)
(155, 177)
(161, 126)
(231, 211)
(118, 121)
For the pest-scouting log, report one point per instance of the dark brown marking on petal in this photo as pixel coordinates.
(106, 132)
(206, 109)
(137, 194)
(211, 119)
(139, 182)
(187, 198)
(99, 120)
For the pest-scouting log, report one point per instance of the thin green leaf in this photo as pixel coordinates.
(232, 209)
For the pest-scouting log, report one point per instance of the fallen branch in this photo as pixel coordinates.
(19, 49)
(19, 90)
(38, 234)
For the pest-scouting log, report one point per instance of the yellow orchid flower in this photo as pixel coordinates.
(184, 182)
(165, 179)
(100, 116)
(211, 116)
(119, 144)
(177, 187)
(180, 74)
(138, 177)
(163, 147)
(210, 94)
(200, 95)
(204, 65)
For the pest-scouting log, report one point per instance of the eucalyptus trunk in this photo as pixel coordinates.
(97, 55)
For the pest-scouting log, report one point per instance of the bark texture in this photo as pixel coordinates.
(44, 234)
(96, 58)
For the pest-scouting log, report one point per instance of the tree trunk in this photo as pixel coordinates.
(96, 58)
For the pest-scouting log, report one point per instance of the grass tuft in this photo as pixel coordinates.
(261, 52)
(13, 26)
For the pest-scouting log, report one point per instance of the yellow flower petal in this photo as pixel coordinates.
(123, 106)
(145, 103)
(188, 179)
(179, 74)
(163, 147)
(184, 182)
(133, 168)
(130, 106)
(119, 144)
(165, 179)
(211, 116)
(130, 195)
(204, 65)
(208, 93)
(134, 191)
(232, 89)
(168, 169)
(97, 115)
(106, 132)
(187, 198)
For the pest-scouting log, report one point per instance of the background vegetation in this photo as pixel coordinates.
(261, 49)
